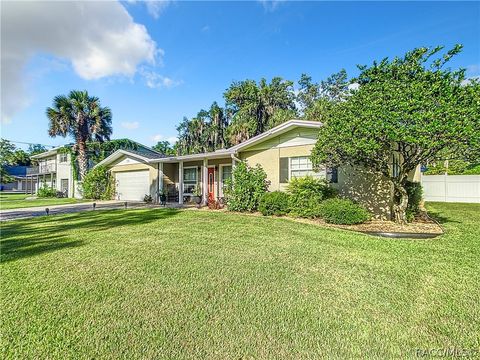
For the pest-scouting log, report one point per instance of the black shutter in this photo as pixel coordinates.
(332, 175)
(283, 170)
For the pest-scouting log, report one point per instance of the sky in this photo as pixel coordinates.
(152, 63)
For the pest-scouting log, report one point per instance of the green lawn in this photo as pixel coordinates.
(16, 201)
(171, 284)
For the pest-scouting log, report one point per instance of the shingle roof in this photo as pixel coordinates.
(149, 154)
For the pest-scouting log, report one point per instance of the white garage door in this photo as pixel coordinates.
(132, 185)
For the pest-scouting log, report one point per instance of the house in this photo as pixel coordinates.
(283, 152)
(55, 169)
(18, 173)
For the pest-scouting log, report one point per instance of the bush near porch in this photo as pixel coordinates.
(244, 191)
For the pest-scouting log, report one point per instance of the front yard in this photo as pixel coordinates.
(199, 284)
(16, 201)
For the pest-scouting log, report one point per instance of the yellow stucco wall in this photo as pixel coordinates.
(370, 189)
(269, 160)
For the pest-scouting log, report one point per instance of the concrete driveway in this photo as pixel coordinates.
(23, 213)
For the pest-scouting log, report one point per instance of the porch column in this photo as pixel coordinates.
(38, 182)
(234, 163)
(160, 180)
(180, 182)
(205, 182)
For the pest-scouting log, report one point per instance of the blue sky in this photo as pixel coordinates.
(201, 47)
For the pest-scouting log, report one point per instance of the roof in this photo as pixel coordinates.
(17, 170)
(150, 154)
(141, 150)
(156, 158)
(46, 153)
(277, 130)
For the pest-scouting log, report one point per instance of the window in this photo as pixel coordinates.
(226, 174)
(302, 166)
(189, 180)
(63, 158)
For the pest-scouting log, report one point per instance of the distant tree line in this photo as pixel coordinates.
(10, 155)
(252, 108)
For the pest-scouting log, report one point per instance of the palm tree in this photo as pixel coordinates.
(80, 116)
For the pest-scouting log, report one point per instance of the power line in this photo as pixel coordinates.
(28, 143)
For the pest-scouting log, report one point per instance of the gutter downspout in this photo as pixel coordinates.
(234, 158)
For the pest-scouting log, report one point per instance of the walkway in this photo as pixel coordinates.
(24, 213)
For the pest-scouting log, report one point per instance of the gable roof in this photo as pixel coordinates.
(46, 153)
(280, 129)
(277, 130)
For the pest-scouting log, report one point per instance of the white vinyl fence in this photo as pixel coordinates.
(451, 188)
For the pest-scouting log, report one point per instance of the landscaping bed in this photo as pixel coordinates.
(424, 226)
(381, 226)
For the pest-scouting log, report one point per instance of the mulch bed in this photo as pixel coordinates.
(421, 225)
(379, 226)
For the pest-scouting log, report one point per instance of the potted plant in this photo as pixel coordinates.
(163, 198)
(197, 196)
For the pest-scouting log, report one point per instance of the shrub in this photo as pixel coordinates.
(214, 204)
(343, 211)
(148, 199)
(98, 184)
(274, 203)
(415, 195)
(247, 186)
(306, 194)
(46, 192)
(472, 170)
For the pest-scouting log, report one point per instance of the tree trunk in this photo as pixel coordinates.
(401, 203)
(82, 158)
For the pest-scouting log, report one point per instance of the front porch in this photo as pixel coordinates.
(182, 180)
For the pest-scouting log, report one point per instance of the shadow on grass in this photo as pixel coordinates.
(25, 238)
(441, 219)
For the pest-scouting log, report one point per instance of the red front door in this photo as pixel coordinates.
(211, 183)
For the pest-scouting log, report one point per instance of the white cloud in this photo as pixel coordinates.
(270, 5)
(155, 80)
(159, 137)
(155, 8)
(98, 39)
(130, 125)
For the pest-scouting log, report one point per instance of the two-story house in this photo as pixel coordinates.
(54, 169)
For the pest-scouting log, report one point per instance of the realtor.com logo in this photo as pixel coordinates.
(448, 352)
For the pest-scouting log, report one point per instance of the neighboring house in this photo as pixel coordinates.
(54, 168)
(18, 173)
(283, 152)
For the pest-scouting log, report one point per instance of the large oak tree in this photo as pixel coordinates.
(414, 107)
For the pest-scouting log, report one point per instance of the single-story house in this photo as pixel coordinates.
(283, 152)
(18, 173)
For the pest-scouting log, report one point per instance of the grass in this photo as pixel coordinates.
(17, 201)
(198, 284)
